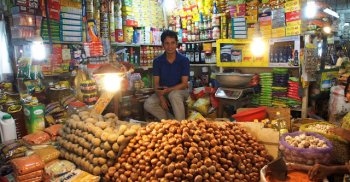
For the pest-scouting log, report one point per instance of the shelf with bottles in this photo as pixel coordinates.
(205, 64)
(62, 42)
(133, 45)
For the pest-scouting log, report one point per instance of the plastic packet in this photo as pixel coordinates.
(58, 167)
(77, 176)
(195, 115)
(12, 149)
(47, 154)
(36, 179)
(31, 175)
(202, 105)
(53, 129)
(37, 138)
(25, 165)
(190, 102)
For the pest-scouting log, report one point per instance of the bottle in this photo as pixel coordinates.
(191, 54)
(216, 33)
(187, 51)
(205, 76)
(7, 128)
(190, 82)
(296, 58)
(196, 54)
(202, 54)
(282, 124)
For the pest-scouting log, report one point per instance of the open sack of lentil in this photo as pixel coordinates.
(340, 153)
(306, 148)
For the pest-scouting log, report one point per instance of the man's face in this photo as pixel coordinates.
(170, 45)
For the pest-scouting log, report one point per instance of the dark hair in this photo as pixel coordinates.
(168, 33)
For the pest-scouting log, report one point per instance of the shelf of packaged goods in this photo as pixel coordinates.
(209, 64)
(200, 41)
(62, 42)
(68, 74)
(292, 67)
(133, 45)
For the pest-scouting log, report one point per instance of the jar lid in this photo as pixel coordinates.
(6, 116)
(77, 104)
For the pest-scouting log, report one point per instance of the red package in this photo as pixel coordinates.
(53, 130)
(37, 138)
(25, 165)
(34, 174)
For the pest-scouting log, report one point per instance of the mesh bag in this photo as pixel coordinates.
(307, 156)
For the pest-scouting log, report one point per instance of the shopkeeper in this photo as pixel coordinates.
(170, 73)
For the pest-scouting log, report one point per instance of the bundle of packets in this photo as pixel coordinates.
(266, 91)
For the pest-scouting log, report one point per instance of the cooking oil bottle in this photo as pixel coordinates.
(282, 123)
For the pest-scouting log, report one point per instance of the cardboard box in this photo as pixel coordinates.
(292, 5)
(34, 114)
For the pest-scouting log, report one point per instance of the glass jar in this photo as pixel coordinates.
(76, 107)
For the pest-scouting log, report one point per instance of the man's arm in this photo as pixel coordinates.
(319, 171)
(180, 86)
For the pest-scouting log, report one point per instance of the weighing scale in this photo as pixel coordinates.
(236, 97)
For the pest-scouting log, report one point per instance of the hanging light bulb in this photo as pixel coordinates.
(310, 9)
(37, 48)
(327, 29)
(257, 46)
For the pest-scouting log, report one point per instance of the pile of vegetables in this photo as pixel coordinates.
(93, 142)
(190, 151)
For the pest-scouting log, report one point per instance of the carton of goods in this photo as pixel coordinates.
(71, 39)
(71, 10)
(71, 22)
(71, 16)
(71, 33)
(278, 32)
(72, 28)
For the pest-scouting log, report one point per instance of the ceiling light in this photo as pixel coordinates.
(331, 12)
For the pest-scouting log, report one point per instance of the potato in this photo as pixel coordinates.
(98, 133)
(135, 127)
(111, 154)
(122, 129)
(103, 153)
(109, 130)
(75, 117)
(102, 125)
(85, 152)
(96, 142)
(104, 136)
(115, 147)
(106, 146)
(109, 115)
(97, 151)
(84, 113)
(102, 160)
(95, 161)
(84, 117)
(91, 120)
(110, 162)
(104, 168)
(130, 132)
(121, 139)
(97, 171)
(112, 138)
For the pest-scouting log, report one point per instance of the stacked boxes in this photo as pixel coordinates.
(54, 9)
(71, 25)
(151, 16)
(55, 30)
(239, 28)
(293, 18)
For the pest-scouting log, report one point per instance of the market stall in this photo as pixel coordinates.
(74, 110)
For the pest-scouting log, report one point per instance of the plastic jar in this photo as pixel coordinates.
(216, 33)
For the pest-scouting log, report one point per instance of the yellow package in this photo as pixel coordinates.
(77, 176)
(195, 115)
(190, 102)
(47, 154)
(202, 105)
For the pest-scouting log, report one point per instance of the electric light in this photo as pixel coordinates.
(327, 29)
(38, 51)
(111, 82)
(310, 9)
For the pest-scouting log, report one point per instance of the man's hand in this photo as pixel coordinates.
(164, 103)
(319, 171)
(344, 133)
(162, 92)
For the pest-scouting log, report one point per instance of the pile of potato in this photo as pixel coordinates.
(321, 128)
(190, 151)
(93, 141)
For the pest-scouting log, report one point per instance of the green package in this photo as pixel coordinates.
(34, 114)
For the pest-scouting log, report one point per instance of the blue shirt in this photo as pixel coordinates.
(170, 73)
